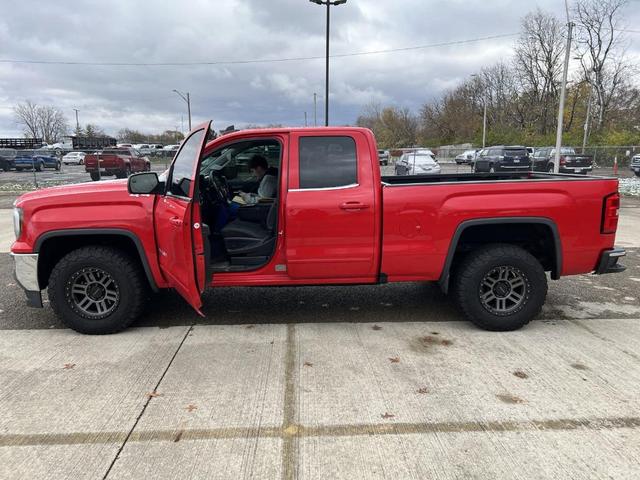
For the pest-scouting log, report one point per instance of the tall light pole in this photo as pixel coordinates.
(563, 91)
(484, 116)
(315, 109)
(588, 117)
(187, 99)
(328, 3)
(77, 122)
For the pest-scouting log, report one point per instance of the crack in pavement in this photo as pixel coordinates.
(129, 434)
(293, 432)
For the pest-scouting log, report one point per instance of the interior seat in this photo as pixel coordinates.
(251, 239)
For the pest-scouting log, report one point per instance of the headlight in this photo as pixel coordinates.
(17, 221)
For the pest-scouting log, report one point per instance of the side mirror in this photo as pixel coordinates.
(144, 183)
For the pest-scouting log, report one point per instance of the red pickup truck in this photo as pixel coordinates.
(488, 239)
(120, 162)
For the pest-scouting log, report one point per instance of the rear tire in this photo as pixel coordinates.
(637, 174)
(500, 287)
(97, 290)
(550, 168)
(38, 167)
(94, 176)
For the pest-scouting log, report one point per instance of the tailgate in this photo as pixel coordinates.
(515, 159)
(106, 161)
(577, 160)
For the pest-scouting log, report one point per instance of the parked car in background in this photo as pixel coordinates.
(502, 158)
(29, 159)
(170, 149)
(420, 162)
(383, 157)
(7, 157)
(466, 157)
(74, 158)
(635, 165)
(143, 148)
(155, 148)
(120, 162)
(570, 162)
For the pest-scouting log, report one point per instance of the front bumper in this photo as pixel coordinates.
(608, 262)
(26, 273)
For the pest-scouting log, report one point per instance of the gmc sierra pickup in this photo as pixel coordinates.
(120, 162)
(487, 239)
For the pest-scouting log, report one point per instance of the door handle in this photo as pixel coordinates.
(353, 206)
(175, 221)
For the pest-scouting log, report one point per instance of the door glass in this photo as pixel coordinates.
(327, 162)
(184, 165)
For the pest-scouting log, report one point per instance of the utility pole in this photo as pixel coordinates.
(484, 123)
(328, 3)
(187, 99)
(305, 119)
(315, 109)
(77, 122)
(484, 115)
(563, 91)
(587, 119)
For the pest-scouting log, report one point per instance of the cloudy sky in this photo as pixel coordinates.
(227, 31)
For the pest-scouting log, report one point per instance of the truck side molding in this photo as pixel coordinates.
(106, 232)
(446, 270)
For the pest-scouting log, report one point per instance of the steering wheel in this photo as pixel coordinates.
(219, 187)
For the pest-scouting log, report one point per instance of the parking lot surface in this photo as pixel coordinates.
(363, 382)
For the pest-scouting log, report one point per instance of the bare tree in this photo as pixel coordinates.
(41, 121)
(600, 49)
(27, 115)
(53, 124)
(538, 64)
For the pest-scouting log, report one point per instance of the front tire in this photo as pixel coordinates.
(637, 174)
(500, 287)
(97, 290)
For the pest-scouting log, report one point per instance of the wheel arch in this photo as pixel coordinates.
(53, 245)
(463, 241)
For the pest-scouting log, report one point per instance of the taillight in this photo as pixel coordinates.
(610, 213)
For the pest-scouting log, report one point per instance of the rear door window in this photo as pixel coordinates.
(327, 162)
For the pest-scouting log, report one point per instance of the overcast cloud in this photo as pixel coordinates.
(114, 97)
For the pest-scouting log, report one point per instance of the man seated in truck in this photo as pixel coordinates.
(268, 178)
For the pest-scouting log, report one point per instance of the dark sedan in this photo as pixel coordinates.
(502, 159)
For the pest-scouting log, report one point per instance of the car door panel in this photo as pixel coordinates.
(181, 249)
(330, 232)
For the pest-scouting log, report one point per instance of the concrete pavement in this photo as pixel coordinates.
(388, 400)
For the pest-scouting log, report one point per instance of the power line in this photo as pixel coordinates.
(244, 62)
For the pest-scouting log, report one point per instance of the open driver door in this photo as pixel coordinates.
(179, 230)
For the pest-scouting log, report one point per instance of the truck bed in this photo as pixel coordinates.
(422, 214)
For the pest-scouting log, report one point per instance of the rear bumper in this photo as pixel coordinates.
(576, 169)
(608, 262)
(26, 273)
